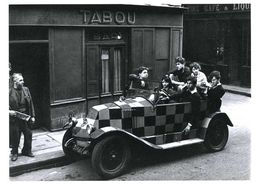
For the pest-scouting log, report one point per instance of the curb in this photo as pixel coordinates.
(248, 94)
(59, 159)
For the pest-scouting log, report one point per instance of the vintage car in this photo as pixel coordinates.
(110, 132)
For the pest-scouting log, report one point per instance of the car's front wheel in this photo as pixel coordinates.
(217, 135)
(111, 157)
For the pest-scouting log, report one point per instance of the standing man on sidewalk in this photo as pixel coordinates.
(20, 103)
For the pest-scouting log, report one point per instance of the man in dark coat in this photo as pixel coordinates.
(20, 104)
(215, 92)
(191, 95)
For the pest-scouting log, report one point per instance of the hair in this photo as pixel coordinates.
(141, 69)
(180, 60)
(195, 65)
(215, 74)
(16, 75)
(193, 80)
(167, 79)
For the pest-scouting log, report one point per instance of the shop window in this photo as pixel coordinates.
(211, 47)
(105, 70)
(246, 44)
(106, 53)
(111, 60)
(222, 30)
(117, 70)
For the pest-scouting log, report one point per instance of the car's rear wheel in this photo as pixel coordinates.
(68, 149)
(217, 136)
(111, 157)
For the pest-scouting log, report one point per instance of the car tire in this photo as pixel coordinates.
(69, 153)
(111, 157)
(216, 136)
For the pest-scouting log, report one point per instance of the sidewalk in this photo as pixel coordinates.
(238, 90)
(47, 148)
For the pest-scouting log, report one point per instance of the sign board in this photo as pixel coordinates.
(107, 17)
(219, 8)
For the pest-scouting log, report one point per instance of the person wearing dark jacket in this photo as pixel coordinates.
(180, 74)
(191, 95)
(165, 92)
(21, 111)
(215, 92)
(138, 82)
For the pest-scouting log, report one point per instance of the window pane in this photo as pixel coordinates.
(117, 69)
(105, 70)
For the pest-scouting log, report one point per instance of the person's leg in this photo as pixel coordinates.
(27, 147)
(15, 139)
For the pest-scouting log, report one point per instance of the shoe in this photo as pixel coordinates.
(29, 154)
(14, 157)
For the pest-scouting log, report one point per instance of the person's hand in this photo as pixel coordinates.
(32, 120)
(142, 83)
(203, 84)
(164, 98)
(121, 98)
(187, 129)
(12, 113)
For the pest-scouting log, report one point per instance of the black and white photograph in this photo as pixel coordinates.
(142, 91)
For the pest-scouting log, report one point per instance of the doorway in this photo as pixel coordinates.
(106, 72)
(32, 60)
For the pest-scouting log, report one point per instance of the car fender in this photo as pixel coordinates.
(211, 117)
(103, 132)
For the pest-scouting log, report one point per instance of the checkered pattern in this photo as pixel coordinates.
(139, 117)
(170, 137)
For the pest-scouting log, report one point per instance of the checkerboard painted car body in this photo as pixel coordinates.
(159, 127)
(138, 117)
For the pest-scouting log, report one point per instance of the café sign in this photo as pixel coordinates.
(107, 17)
(220, 8)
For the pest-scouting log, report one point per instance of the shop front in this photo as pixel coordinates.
(219, 37)
(76, 56)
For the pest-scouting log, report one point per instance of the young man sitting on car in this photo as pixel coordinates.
(180, 74)
(191, 95)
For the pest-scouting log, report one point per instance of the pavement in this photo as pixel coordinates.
(238, 90)
(47, 148)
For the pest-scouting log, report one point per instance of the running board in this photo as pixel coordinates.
(181, 143)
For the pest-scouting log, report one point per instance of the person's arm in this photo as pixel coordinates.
(32, 111)
(216, 93)
(174, 81)
(12, 113)
(203, 83)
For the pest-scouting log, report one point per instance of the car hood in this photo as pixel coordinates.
(112, 114)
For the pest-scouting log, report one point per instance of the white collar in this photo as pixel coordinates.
(193, 91)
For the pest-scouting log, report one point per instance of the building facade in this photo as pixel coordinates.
(75, 56)
(219, 37)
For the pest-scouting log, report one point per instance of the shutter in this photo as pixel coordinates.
(92, 59)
